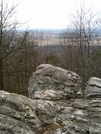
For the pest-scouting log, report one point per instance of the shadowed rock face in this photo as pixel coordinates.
(22, 115)
(50, 82)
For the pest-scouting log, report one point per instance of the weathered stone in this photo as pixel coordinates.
(50, 82)
(93, 88)
(9, 125)
(83, 116)
(80, 103)
(47, 111)
(18, 114)
(22, 115)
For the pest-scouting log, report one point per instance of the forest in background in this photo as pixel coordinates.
(76, 48)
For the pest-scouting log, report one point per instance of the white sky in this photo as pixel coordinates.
(50, 14)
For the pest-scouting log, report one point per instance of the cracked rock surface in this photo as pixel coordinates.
(51, 82)
(53, 108)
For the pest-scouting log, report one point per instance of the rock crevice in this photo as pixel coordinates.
(55, 105)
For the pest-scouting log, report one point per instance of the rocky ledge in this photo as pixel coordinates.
(55, 105)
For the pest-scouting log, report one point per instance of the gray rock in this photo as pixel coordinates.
(80, 103)
(18, 114)
(50, 82)
(93, 88)
(47, 111)
(21, 115)
(84, 118)
(77, 115)
(59, 131)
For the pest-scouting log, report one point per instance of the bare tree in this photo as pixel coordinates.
(7, 32)
(17, 51)
(78, 42)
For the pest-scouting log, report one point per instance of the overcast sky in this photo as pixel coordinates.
(50, 14)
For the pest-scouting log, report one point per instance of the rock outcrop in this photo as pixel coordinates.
(21, 115)
(64, 114)
(50, 82)
(83, 116)
(17, 114)
(93, 88)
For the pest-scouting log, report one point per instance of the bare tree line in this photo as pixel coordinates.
(22, 51)
(79, 44)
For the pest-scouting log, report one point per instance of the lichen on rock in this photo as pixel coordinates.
(51, 82)
(55, 106)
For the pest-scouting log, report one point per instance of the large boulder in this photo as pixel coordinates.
(21, 115)
(93, 88)
(51, 82)
(17, 114)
